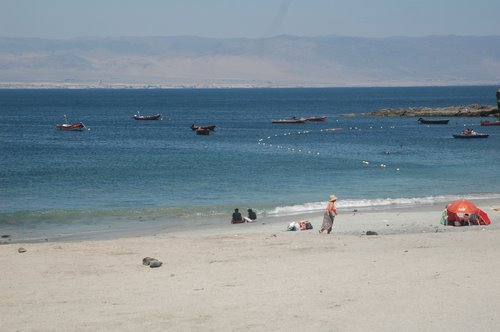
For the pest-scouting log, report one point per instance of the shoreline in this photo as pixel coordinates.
(358, 217)
(258, 276)
(218, 85)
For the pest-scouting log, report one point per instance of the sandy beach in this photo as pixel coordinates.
(415, 275)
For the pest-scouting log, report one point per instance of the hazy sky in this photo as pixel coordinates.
(247, 18)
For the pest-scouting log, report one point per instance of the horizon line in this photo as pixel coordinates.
(251, 38)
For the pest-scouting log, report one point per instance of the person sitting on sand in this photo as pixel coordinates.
(452, 218)
(252, 216)
(465, 220)
(237, 218)
(474, 219)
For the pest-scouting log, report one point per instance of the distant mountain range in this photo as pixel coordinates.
(282, 61)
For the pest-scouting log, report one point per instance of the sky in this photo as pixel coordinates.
(65, 19)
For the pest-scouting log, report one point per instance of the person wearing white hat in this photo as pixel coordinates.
(329, 215)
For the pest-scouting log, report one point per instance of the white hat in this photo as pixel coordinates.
(332, 198)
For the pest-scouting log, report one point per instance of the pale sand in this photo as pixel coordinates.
(416, 275)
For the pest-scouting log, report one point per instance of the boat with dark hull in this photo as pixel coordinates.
(490, 123)
(292, 120)
(438, 121)
(467, 136)
(147, 117)
(316, 119)
(195, 127)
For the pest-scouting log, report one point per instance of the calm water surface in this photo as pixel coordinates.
(124, 172)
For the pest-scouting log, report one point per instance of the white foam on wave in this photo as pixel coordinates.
(376, 203)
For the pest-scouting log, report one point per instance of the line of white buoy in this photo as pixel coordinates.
(290, 148)
(381, 165)
(262, 141)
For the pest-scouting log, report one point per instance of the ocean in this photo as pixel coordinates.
(144, 176)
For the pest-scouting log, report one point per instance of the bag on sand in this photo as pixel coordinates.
(299, 225)
(305, 225)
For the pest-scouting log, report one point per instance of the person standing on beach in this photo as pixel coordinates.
(329, 215)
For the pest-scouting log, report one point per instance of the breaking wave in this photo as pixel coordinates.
(346, 204)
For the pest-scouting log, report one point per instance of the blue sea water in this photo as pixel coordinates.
(159, 174)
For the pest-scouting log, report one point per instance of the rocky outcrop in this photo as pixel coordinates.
(469, 110)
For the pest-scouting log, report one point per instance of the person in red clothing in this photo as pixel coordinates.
(329, 215)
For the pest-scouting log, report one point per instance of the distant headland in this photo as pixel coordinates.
(279, 61)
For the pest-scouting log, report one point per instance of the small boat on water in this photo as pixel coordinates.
(316, 118)
(427, 121)
(77, 126)
(292, 120)
(147, 117)
(490, 123)
(195, 127)
(473, 135)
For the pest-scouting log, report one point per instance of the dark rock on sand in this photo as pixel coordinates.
(21, 250)
(147, 260)
(152, 262)
(371, 233)
(155, 263)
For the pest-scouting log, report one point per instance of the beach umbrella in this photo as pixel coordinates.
(462, 206)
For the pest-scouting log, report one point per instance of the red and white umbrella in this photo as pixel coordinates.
(462, 206)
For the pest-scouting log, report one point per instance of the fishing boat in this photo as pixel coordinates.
(77, 126)
(490, 123)
(147, 117)
(292, 120)
(474, 135)
(316, 118)
(427, 121)
(195, 127)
